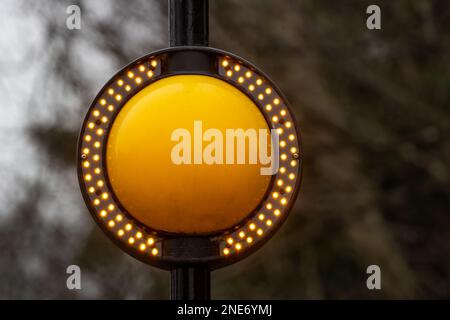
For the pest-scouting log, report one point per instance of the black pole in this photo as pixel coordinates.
(188, 23)
(189, 26)
(190, 283)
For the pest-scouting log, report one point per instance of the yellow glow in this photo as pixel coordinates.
(277, 212)
(128, 227)
(150, 74)
(120, 232)
(241, 234)
(252, 226)
(261, 216)
(88, 138)
(103, 213)
(283, 201)
(226, 251)
(230, 240)
(154, 251)
(138, 80)
(97, 170)
(88, 177)
(110, 107)
(269, 107)
(291, 137)
(241, 79)
(130, 74)
(238, 246)
(100, 183)
(142, 247)
(276, 101)
(259, 232)
(269, 223)
(283, 112)
(102, 102)
(141, 68)
(154, 63)
(259, 82)
(150, 241)
(120, 82)
(268, 91)
(111, 91)
(224, 63)
(249, 240)
(111, 207)
(198, 200)
(237, 68)
(229, 73)
(139, 235)
(119, 217)
(111, 223)
(131, 240)
(96, 113)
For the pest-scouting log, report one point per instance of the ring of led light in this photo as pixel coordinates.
(142, 241)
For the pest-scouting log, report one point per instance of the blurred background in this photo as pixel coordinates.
(373, 107)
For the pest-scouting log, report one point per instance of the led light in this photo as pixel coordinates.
(283, 156)
(291, 137)
(102, 102)
(91, 125)
(269, 223)
(111, 91)
(96, 113)
(97, 144)
(96, 202)
(230, 240)
(238, 246)
(128, 227)
(100, 183)
(88, 138)
(269, 206)
(111, 207)
(288, 124)
(154, 251)
(224, 63)
(241, 234)
(261, 217)
(138, 80)
(283, 201)
(88, 177)
(120, 232)
(86, 164)
(260, 96)
(154, 63)
(248, 74)
(291, 176)
(252, 226)
(259, 232)
(229, 73)
(251, 87)
(277, 212)
(288, 189)
(110, 107)
(283, 112)
(249, 240)
(142, 247)
(274, 118)
(276, 101)
(130, 74)
(237, 68)
(119, 217)
(275, 195)
(127, 88)
(282, 143)
(279, 182)
(293, 163)
(104, 196)
(99, 132)
(293, 149)
(279, 131)
(268, 107)
(118, 97)
(141, 68)
(111, 223)
(150, 74)
(282, 169)
(226, 251)
(91, 190)
(259, 82)
(130, 240)
(150, 241)
(86, 150)
(268, 91)
(241, 79)
(120, 83)
(138, 234)
(103, 213)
